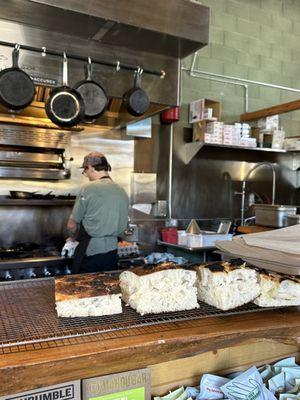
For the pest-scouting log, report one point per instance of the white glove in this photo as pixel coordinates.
(69, 248)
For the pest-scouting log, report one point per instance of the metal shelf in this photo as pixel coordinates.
(192, 148)
(269, 150)
(178, 246)
(4, 201)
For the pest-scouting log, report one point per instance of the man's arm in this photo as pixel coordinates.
(72, 229)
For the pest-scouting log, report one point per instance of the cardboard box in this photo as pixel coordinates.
(292, 143)
(278, 139)
(199, 131)
(199, 107)
(269, 123)
(269, 139)
(130, 385)
(63, 391)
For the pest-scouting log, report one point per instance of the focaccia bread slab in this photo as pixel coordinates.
(278, 290)
(86, 295)
(226, 286)
(160, 288)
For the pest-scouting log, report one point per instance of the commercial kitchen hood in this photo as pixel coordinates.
(155, 35)
(174, 28)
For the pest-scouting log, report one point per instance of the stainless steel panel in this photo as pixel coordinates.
(18, 135)
(20, 156)
(143, 188)
(140, 128)
(39, 225)
(33, 173)
(160, 91)
(210, 185)
(176, 27)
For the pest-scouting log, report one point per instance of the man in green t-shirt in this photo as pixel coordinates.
(99, 216)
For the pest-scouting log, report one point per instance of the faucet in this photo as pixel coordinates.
(261, 164)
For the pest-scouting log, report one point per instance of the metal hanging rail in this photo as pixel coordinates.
(117, 65)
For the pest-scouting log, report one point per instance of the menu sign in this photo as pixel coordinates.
(63, 391)
(130, 385)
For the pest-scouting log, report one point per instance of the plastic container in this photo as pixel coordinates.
(169, 235)
(210, 238)
(206, 239)
(194, 240)
(182, 238)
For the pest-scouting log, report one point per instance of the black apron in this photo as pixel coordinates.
(84, 239)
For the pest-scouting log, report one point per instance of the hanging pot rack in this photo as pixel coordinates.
(117, 64)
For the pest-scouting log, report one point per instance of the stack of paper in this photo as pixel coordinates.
(276, 250)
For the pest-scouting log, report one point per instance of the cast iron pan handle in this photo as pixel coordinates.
(137, 77)
(15, 56)
(88, 69)
(65, 70)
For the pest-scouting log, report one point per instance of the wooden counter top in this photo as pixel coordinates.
(82, 357)
(253, 229)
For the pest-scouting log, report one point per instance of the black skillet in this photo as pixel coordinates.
(16, 87)
(18, 194)
(94, 96)
(65, 106)
(136, 99)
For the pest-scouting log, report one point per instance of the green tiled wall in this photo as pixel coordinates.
(252, 39)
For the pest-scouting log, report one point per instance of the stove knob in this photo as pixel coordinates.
(32, 274)
(8, 276)
(67, 271)
(46, 272)
(57, 271)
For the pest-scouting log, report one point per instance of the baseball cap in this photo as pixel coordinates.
(95, 158)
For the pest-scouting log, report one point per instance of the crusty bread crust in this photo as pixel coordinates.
(220, 266)
(278, 278)
(71, 287)
(148, 269)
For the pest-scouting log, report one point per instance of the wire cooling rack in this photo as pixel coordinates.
(28, 316)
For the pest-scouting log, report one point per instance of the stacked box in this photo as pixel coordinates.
(292, 143)
(231, 135)
(248, 142)
(214, 132)
(269, 123)
(278, 139)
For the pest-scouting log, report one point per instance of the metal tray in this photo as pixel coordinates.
(179, 246)
(28, 316)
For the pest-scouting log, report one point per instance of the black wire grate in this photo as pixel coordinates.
(28, 316)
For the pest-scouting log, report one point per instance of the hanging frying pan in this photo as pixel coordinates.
(94, 96)
(16, 87)
(136, 99)
(65, 106)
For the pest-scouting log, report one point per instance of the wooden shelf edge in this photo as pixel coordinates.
(274, 110)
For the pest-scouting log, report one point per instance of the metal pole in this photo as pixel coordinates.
(170, 172)
(117, 64)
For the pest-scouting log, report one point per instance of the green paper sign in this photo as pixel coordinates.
(132, 394)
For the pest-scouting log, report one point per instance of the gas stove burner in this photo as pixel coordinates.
(27, 250)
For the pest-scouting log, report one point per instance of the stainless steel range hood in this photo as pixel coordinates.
(174, 28)
(154, 35)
